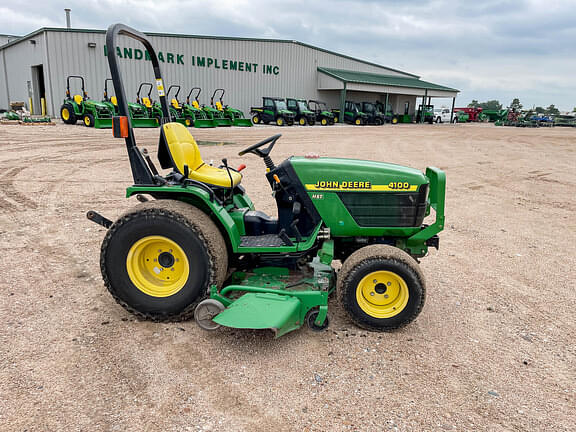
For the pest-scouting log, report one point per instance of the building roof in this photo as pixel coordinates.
(288, 41)
(349, 76)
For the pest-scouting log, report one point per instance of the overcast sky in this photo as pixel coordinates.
(489, 49)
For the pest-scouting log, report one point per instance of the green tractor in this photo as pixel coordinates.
(303, 113)
(80, 107)
(460, 117)
(320, 109)
(272, 110)
(202, 119)
(216, 115)
(234, 115)
(352, 114)
(152, 109)
(178, 112)
(138, 114)
(196, 246)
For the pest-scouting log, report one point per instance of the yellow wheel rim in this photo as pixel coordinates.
(302, 122)
(255, 119)
(279, 122)
(65, 114)
(394, 120)
(335, 119)
(87, 121)
(188, 122)
(324, 121)
(157, 266)
(382, 294)
(358, 121)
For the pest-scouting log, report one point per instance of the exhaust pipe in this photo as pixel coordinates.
(67, 17)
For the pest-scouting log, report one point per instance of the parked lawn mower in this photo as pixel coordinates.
(138, 114)
(373, 115)
(352, 114)
(177, 111)
(80, 107)
(272, 110)
(320, 109)
(217, 116)
(304, 116)
(196, 233)
(152, 109)
(234, 115)
(202, 119)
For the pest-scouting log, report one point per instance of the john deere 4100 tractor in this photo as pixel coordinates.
(196, 246)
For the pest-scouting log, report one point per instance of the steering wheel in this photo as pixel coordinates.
(255, 148)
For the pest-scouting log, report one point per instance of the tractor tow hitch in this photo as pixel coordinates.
(99, 219)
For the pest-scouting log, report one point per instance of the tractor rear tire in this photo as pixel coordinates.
(67, 114)
(324, 122)
(381, 288)
(302, 121)
(88, 120)
(256, 119)
(189, 122)
(160, 258)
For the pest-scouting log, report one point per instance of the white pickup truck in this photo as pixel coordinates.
(442, 115)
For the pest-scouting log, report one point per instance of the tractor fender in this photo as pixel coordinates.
(199, 198)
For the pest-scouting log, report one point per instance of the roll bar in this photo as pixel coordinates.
(214, 94)
(140, 170)
(84, 94)
(195, 97)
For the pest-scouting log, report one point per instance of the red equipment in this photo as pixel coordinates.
(473, 113)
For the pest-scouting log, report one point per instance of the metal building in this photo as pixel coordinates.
(33, 69)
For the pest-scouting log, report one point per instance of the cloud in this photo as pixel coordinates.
(489, 49)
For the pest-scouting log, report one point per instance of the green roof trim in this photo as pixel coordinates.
(349, 76)
(75, 30)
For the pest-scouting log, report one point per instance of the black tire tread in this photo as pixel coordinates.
(376, 253)
(197, 221)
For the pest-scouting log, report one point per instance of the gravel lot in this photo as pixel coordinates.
(493, 349)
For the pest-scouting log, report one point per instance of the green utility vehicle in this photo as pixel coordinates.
(373, 114)
(352, 114)
(272, 110)
(202, 119)
(320, 109)
(80, 107)
(389, 115)
(196, 233)
(145, 103)
(234, 115)
(138, 114)
(304, 115)
(427, 111)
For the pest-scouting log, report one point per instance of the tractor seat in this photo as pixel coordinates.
(78, 99)
(175, 104)
(195, 104)
(219, 106)
(178, 148)
(146, 102)
(114, 101)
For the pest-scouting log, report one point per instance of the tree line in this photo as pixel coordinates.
(495, 105)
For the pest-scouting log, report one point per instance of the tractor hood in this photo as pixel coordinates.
(335, 174)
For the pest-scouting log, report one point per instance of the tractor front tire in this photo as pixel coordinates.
(324, 122)
(280, 121)
(159, 259)
(381, 288)
(67, 114)
(302, 121)
(88, 120)
(256, 119)
(189, 121)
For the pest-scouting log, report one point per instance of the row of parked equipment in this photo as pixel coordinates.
(291, 111)
(145, 112)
